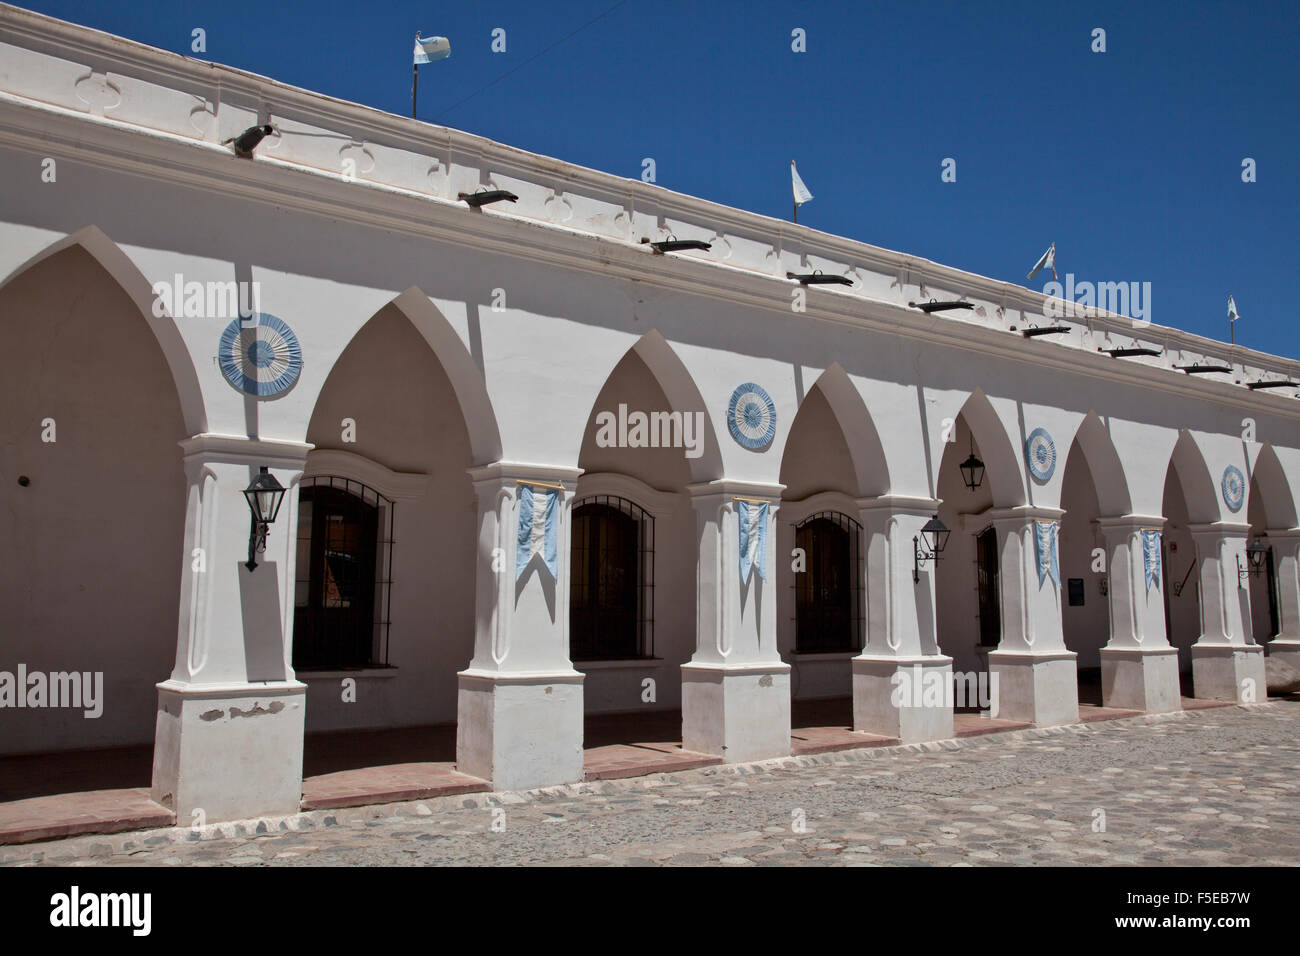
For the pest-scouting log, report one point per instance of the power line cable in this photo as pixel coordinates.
(532, 58)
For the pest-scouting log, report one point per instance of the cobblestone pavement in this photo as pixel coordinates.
(1214, 787)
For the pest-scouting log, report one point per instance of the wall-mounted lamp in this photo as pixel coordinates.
(264, 497)
(1255, 555)
(935, 534)
(972, 469)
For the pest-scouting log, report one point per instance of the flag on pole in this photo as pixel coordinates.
(539, 519)
(1048, 261)
(433, 48)
(1232, 310)
(801, 193)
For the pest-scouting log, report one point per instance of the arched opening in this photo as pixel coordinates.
(632, 584)
(92, 491)
(1085, 612)
(1268, 506)
(1189, 498)
(968, 586)
(388, 538)
(820, 604)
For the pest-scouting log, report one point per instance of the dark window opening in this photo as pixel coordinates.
(990, 597)
(828, 592)
(611, 584)
(341, 592)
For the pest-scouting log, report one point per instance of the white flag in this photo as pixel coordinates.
(1232, 310)
(801, 193)
(433, 48)
(1048, 261)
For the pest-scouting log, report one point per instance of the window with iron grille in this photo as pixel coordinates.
(344, 575)
(828, 592)
(611, 584)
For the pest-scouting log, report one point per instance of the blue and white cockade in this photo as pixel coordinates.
(1040, 454)
(260, 355)
(1234, 488)
(751, 417)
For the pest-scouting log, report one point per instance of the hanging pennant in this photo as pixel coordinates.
(752, 517)
(1151, 558)
(1045, 543)
(539, 518)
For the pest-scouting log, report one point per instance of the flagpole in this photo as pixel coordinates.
(415, 79)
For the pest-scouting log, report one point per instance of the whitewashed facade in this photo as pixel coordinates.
(449, 354)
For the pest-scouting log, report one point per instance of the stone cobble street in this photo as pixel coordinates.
(1210, 787)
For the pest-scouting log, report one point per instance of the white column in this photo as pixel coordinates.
(519, 706)
(736, 688)
(1139, 668)
(1034, 677)
(902, 684)
(1286, 566)
(229, 734)
(1226, 662)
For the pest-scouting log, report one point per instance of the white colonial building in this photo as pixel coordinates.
(537, 468)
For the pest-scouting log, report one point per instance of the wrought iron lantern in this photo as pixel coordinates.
(264, 497)
(935, 533)
(972, 469)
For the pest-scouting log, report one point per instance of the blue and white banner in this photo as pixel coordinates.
(1045, 535)
(752, 517)
(539, 520)
(1151, 558)
(433, 48)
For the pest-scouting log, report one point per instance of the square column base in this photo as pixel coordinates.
(1229, 672)
(1040, 688)
(905, 697)
(739, 713)
(1141, 679)
(229, 751)
(520, 731)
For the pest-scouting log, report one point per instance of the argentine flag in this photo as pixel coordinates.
(539, 519)
(1045, 539)
(1232, 310)
(801, 193)
(752, 517)
(1151, 558)
(434, 48)
(1048, 261)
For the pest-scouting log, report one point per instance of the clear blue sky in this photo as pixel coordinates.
(1130, 160)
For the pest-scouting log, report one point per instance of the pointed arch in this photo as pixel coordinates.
(465, 376)
(1188, 464)
(684, 396)
(1276, 492)
(1002, 465)
(138, 289)
(1104, 465)
(870, 466)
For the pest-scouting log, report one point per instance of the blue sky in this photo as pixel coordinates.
(1129, 160)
